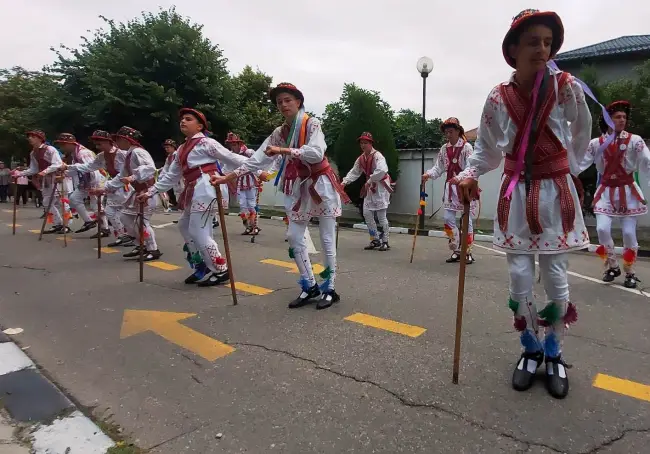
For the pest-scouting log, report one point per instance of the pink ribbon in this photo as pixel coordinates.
(521, 153)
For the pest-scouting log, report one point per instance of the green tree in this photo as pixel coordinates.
(407, 129)
(337, 113)
(260, 115)
(23, 97)
(140, 73)
(365, 112)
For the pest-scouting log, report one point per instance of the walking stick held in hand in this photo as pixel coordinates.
(224, 232)
(65, 220)
(99, 224)
(417, 219)
(15, 200)
(141, 230)
(49, 207)
(461, 290)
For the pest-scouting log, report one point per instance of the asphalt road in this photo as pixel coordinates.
(307, 381)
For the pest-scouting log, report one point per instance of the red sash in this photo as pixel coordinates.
(190, 175)
(314, 171)
(453, 166)
(366, 162)
(550, 159)
(138, 186)
(615, 177)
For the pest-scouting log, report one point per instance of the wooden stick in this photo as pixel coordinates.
(15, 201)
(417, 223)
(141, 229)
(65, 221)
(224, 232)
(337, 234)
(99, 226)
(49, 207)
(461, 291)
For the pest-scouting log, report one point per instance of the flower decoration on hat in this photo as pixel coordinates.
(66, 137)
(37, 133)
(366, 136)
(133, 136)
(169, 142)
(286, 87)
(101, 135)
(530, 17)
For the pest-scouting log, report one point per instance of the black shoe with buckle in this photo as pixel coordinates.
(134, 253)
(630, 280)
(611, 274)
(151, 255)
(524, 374)
(455, 257)
(105, 233)
(328, 298)
(87, 226)
(384, 247)
(305, 297)
(374, 244)
(557, 381)
(469, 259)
(215, 278)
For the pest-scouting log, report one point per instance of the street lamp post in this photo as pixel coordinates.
(424, 66)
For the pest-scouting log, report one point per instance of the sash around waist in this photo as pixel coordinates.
(540, 171)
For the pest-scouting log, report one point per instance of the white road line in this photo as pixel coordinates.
(162, 225)
(581, 276)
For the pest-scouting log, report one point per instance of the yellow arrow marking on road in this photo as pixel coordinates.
(292, 266)
(167, 325)
(163, 265)
(620, 386)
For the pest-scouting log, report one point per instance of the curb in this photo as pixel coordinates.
(56, 426)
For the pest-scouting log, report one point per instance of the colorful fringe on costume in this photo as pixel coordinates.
(601, 251)
(629, 257)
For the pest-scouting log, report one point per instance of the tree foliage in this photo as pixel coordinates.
(407, 129)
(363, 111)
(139, 73)
(24, 96)
(260, 115)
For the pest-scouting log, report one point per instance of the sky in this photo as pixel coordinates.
(320, 45)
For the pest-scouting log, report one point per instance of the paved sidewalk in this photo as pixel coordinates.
(8, 443)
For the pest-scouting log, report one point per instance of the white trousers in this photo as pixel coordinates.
(628, 227)
(528, 319)
(112, 214)
(298, 248)
(452, 232)
(247, 200)
(77, 203)
(196, 229)
(372, 225)
(132, 228)
(54, 211)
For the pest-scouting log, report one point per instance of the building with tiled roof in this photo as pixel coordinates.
(613, 59)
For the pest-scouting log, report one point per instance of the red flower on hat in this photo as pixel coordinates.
(366, 136)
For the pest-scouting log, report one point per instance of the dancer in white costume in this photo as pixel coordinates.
(452, 159)
(375, 192)
(538, 209)
(44, 162)
(195, 161)
(138, 172)
(618, 196)
(298, 149)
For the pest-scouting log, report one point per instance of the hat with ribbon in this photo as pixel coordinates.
(36, 133)
(365, 136)
(452, 122)
(525, 19)
(286, 87)
(612, 108)
(129, 134)
(233, 138)
(66, 137)
(169, 142)
(101, 135)
(196, 114)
